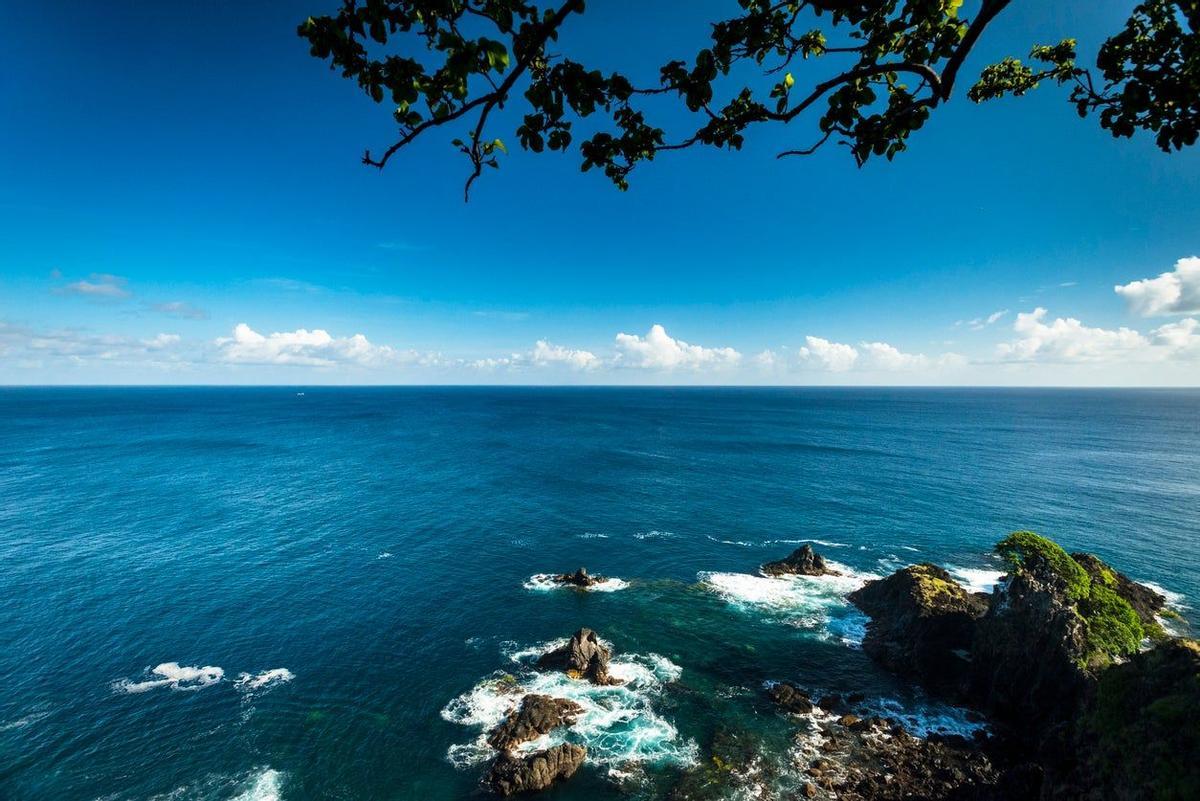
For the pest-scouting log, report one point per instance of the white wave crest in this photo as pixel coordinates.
(589, 535)
(817, 603)
(266, 786)
(22, 722)
(619, 725)
(1174, 599)
(923, 718)
(654, 534)
(766, 543)
(976, 579)
(175, 676)
(545, 581)
(267, 677)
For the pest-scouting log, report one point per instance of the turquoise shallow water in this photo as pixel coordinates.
(362, 555)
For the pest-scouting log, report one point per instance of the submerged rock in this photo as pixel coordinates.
(537, 715)
(511, 774)
(790, 698)
(922, 624)
(803, 561)
(583, 657)
(580, 578)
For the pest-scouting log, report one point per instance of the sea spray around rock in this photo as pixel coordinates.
(618, 724)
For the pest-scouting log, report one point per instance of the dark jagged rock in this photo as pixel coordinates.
(1145, 601)
(922, 624)
(537, 715)
(803, 561)
(1139, 736)
(511, 774)
(878, 760)
(1029, 653)
(583, 657)
(790, 698)
(580, 578)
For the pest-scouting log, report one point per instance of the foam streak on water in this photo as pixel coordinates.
(175, 676)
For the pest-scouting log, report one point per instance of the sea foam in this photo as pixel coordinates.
(619, 725)
(175, 676)
(817, 603)
(976, 579)
(267, 677)
(264, 786)
(545, 581)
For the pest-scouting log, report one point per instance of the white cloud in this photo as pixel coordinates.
(99, 285)
(77, 346)
(765, 360)
(658, 350)
(1174, 292)
(545, 353)
(882, 356)
(1181, 339)
(832, 356)
(177, 308)
(162, 341)
(302, 347)
(1067, 340)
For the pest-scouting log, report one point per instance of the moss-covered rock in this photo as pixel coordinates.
(1112, 628)
(1139, 736)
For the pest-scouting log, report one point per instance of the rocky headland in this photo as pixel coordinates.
(1084, 693)
(1088, 696)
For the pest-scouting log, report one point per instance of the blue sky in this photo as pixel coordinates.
(182, 202)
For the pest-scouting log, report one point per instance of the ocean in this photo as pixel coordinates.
(319, 593)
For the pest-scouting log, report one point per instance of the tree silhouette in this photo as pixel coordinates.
(891, 64)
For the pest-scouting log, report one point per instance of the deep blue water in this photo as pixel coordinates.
(373, 545)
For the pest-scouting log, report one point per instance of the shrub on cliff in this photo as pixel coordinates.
(1113, 628)
(1138, 737)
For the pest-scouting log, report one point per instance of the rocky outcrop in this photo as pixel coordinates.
(537, 715)
(861, 759)
(580, 578)
(790, 698)
(511, 774)
(1145, 601)
(922, 625)
(1138, 736)
(803, 561)
(1028, 657)
(582, 657)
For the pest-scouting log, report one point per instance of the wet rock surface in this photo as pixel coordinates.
(803, 561)
(923, 624)
(512, 774)
(580, 578)
(537, 715)
(790, 698)
(582, 657)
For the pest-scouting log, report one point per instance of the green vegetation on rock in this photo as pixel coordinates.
(1113, 627)
(1139, 735)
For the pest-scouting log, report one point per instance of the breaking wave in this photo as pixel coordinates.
(816, 603)
(619, 725)
(175, 676)
(976, 579)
